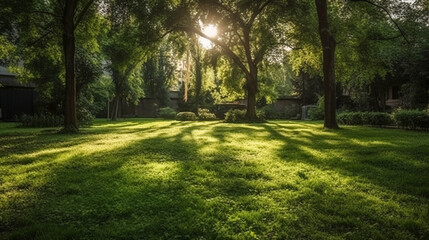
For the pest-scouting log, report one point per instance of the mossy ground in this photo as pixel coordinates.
(153, 179)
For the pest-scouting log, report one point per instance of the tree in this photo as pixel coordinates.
(134, 33)
(248, 31)
(47, 19)
(367, 38)
(328, 46)
(157, 73)
(125, 58)
(71, 17)
(197, 53)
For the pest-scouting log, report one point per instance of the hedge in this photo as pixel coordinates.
(239, 116)
(365, 118)
(411, 119)
(41, 120)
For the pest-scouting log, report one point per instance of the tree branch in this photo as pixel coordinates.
(44, 12)
(41, 37)
(257, 12)
(82, 13)
(227, 50)
(388, 14)
(233, 14)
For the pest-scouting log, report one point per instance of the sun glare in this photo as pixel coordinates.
(211, 31)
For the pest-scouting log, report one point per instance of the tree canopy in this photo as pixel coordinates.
(259, 50)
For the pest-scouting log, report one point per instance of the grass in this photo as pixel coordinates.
(152, 179)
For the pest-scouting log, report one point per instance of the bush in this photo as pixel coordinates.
(205, 115)
(186, 116)
(289, 112)
(350, 118)
(239, 116)
(269, 112)
(42, 120)
(318, 113)
(365, 118)
(167, 113)
(84, 117)
(235, 115)
(221, 109)
(377, 118)
(411, 119)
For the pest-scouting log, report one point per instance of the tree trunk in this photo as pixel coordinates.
(328, 45)
(115, 109)
(198, 81)
(252, 89)
(70, 118)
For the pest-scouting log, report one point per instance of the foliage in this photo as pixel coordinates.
(95, 96)
(350, 118)
(275, 80)
(205, 115)
(235, 116)
(167, 113)
(88, 68)
(365, 118)
(307, 87)
(84, 117)
(289, 112)
(157, 73)
(318, 112)
(239, 116)
(228, 82)
(269, 112)
(186, 116)
(41, 120)
(133, 34)
(245, 39)
(415, 90)
(221, 109)
(378, 118)
(411, 119)
(374, 38)
(199, 180)
(125, 57)
(35, 28)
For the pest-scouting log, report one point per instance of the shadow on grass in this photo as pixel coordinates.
(387, 162)
(180, 180)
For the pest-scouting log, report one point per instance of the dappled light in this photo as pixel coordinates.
(214, 119)
(215, 180)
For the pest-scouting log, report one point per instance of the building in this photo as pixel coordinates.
(15, 98)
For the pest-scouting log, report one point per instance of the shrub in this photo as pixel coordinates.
(239, 116)
(205, 115)
(289, 112)
(350, 118)
(167, 113)
(186, 116)
(84, 117)
(221, 109)
(318, 113)
(365, 118)
(235, 115)
(42, 120)
(411, 119)
(377, 118)
(269, 112)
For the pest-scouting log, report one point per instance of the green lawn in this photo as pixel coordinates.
(153, 179)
